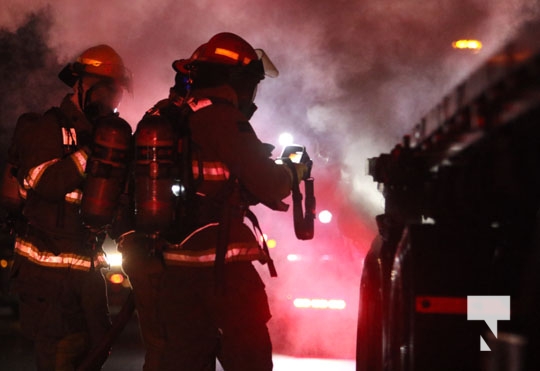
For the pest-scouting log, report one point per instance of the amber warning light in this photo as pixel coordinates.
(116, 278)
(473, 45)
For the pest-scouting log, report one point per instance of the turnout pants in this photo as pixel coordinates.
(202, 323)
(144, 274)
(64, 311)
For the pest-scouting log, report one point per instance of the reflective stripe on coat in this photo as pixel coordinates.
(189, 252)
(63, 260)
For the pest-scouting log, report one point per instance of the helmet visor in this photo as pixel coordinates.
(270, 69)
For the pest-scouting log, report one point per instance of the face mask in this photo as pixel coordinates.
(101, 99)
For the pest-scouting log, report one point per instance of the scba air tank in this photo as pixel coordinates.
(106, 171)
(154, 174)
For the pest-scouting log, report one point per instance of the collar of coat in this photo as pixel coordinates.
(224, 92)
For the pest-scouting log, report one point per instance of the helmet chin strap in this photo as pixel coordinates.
(80, 94)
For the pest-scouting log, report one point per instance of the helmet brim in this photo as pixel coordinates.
(180, 65)
(270, 70)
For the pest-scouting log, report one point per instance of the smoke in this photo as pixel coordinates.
(27, 64)
(355, 76)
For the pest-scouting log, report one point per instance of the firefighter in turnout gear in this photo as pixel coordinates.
(204, 298)
(58, 258)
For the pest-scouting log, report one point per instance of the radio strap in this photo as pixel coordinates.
(253, 219)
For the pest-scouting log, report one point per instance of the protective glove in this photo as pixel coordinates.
(268, 148)
(302, 171)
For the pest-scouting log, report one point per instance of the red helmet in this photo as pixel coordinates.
(228, 49)
(100, 60)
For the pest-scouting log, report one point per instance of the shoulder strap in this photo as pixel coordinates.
(69, 141)
(59, 115)
(69, 136)
(253, 219)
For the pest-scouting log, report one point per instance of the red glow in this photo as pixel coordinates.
(441, 305)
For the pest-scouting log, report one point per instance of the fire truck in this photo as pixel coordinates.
(452, 280)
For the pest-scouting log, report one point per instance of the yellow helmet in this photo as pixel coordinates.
(100, 60)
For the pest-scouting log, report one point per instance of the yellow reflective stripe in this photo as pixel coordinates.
(235, 252)
(79, 158)
(197, 104)
(35, 173)
(90, 61)
(212, 171)
(74, 197)
(22, 193)
(227, 53)
(232, 55)
(63, 260)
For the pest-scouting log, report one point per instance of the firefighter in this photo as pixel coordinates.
(57, 265)
(210, 302)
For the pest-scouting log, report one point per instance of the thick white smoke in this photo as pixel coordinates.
(355, 76)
